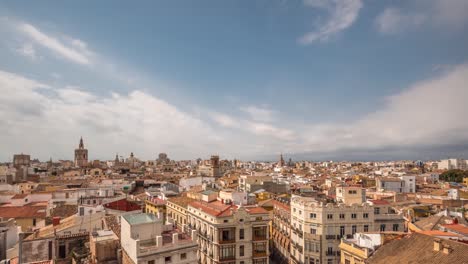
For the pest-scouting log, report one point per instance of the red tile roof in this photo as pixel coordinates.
(23, 211)
(19, 196)
(218, 209)
(380, 202)
(457, 228)
(123, 205)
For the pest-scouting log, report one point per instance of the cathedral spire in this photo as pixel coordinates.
(81, 146)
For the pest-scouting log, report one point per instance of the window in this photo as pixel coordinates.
(227, 252)
(329, 261)
(313, 215)
(34, 221)
(241, 251)
(183, 256)
(300, 212)
(365, 215)
(225, 221)
(376, 210)
(227, 235)
(329, 216)
(167, 259)
(259, 248)
(382, 227)
(342, 216)
(353, 229)
(313, 231)
(259, 233)
(241, 233)
(352, 192)
(342, 231)
(151, 262)
(260, 261)
(353, 216)
(395, 227)
(366, 228)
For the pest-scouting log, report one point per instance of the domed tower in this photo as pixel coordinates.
(81, 155)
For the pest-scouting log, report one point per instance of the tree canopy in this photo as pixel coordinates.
(453, 175)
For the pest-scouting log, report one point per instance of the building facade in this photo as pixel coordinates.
(145, 239)
(317, 227)
(230, 234)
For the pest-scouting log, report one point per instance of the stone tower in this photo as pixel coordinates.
(81, 155)
(281, 161)
(215, 166)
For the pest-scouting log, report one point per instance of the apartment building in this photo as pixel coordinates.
(281, 230)
(146, 239)
(245, 181)
(402, 184)
(318, 225)
(230, 234)
(450, 164)
(176, 208)
(386, 218)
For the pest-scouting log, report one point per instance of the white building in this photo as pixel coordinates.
(450, 164)
(145, 239)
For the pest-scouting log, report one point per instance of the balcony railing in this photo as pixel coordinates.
(227, 241)
(259, 254)
(332, 253)
(257, 238)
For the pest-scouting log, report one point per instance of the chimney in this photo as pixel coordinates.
(56, 221)
(447, 249)
(437, 244)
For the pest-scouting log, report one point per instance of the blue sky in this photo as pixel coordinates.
(249, 79)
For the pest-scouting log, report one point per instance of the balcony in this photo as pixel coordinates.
(227, 241)
(332, 253)
(227, 258)
(309, 236)
(330, 237)
(259, 254)
(259, 238)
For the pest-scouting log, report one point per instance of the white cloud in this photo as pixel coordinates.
(28, 50)
(258, 113)
(429, 113)
(77, 52)
(263, 129)
(45, 121)
(342, 14)
(225, 120)
(446, 14)
(393, 20)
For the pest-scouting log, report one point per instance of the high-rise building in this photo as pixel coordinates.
(81, 155)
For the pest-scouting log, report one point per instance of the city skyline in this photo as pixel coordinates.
(347, 80)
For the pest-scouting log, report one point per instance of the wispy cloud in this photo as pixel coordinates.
(450, 15)
(393, 20)
(341, 15)
(28, 50)
(258, 113)
(77, 52)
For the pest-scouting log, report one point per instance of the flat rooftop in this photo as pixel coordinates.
(135, 219)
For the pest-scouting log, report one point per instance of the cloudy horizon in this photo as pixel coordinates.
(346, 80)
